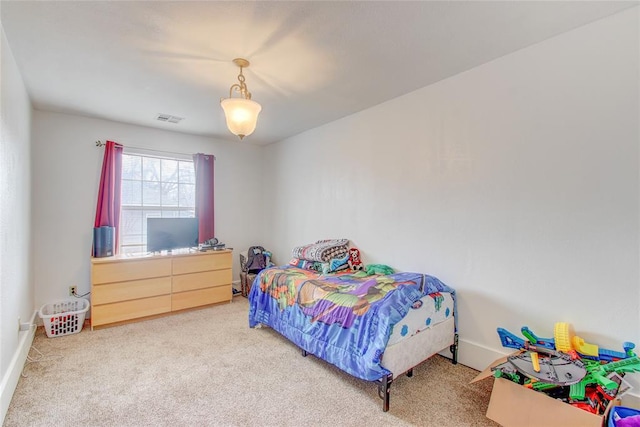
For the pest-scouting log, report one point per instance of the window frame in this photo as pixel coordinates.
(140, 246)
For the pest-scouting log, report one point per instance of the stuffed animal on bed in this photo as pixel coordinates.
(355, 263)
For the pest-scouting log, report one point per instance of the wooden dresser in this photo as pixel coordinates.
(125, 288)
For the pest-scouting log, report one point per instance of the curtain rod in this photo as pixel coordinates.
(102, 144)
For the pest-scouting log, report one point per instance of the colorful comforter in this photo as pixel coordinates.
(343, 318)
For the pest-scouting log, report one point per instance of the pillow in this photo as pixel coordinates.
(322, 250)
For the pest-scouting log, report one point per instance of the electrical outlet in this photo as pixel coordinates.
(23, 326)
(73, 290)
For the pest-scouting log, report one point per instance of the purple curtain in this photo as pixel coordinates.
(203, 164)
(108, 208)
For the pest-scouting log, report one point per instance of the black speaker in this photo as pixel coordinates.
(103, 241)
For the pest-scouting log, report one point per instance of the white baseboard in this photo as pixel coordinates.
(475, 355)
(631, 400)
(12, 376)
(235, 284)
(478, 357)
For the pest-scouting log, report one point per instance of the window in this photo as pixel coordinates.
(153, 187)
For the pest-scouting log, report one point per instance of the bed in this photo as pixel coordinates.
(375, 327)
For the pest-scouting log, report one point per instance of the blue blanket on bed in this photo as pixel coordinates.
(343, 318)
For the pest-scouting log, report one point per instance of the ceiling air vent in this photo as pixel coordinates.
(169, 118)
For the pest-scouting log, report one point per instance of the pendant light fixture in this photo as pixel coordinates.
(241, 113)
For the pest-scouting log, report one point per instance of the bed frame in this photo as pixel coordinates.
(398, 358)
(405, 355)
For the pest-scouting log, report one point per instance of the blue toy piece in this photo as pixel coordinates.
(510, 340)
(612, 355)
(628, 348)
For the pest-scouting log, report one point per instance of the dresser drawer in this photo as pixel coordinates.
(201, 262)
(182, 300)
(120, 311)
(129, 270)
(123, 291)
(204, 279)
(124, 288)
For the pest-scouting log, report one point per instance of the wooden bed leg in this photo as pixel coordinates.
(304, 353)
(410, 373)
(454, 349)
(384, 389)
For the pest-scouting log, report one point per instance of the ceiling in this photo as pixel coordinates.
(311, 62)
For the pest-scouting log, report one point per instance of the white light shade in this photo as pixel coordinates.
(241, 115)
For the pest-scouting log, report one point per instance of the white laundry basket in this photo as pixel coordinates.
(64, 317)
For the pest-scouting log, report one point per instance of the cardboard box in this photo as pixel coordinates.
(514, 405)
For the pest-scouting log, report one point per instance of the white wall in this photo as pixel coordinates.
(16, 287)
(517, 184)
(66, 173)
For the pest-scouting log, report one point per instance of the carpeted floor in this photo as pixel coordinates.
(206, 367)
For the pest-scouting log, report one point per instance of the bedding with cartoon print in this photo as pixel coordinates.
(345, 318)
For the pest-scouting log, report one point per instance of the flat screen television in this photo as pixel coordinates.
(165, 234)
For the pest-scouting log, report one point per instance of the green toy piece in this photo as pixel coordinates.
(597, 373)
(512, 376)
(541, 385)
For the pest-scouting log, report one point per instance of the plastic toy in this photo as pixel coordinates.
(565, 341)
(597, 373)
(539, 385)
(566, 367)
(540, 342)
(545, 365)
(595, 401)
